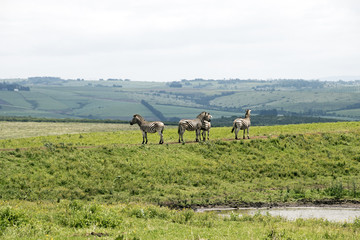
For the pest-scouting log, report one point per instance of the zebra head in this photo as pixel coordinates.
(204, 116)
(136, 119)
(247, 114)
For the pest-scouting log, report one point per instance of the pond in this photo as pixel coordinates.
(335, 214)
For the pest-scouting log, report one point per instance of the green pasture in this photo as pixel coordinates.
(23, 135)
(109, 109)
(19, 111)
(42, 101)
(189, 112)
(294, 101)
(69, 97)
(90, 181)
(101, 100)
(282, 169)
(15, 99)
(297, 161)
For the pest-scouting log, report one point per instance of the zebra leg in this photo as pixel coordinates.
(197, 134)
(244, 134)
(161, 138)
(204, 135)
(143, 133)
(146, 137)
(236, 132)
(180, 132)
(208, 135)
(248, 133)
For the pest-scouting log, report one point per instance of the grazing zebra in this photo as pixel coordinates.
(193, 125)
(242, 124)
(206, 128)
(148, 127)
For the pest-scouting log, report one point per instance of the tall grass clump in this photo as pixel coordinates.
(79, 215)
(10, 217)
(84, 220)
(336, 190)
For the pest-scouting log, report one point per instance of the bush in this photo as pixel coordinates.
(336, 190)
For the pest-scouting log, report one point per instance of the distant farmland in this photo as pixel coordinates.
(120, 99)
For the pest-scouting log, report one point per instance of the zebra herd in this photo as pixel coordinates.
(200, 123)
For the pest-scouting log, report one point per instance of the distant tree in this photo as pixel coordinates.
(12, 87)
(175, 85)
(45, 80)
(272, 112)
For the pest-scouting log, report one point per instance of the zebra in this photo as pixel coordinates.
(206, 128)
(148, 127)
(193, 125)
(242, 124)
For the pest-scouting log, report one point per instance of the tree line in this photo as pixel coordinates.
(13, 87)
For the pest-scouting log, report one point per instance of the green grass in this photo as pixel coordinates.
(78, 220)
(120, 187)
(26, 130)
(19, 135)
(287, 167)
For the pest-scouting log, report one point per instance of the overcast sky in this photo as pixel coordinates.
(169, 40)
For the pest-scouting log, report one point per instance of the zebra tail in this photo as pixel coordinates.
(232, 130)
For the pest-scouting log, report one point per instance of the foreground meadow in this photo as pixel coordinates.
(79, 220)
(79, 185)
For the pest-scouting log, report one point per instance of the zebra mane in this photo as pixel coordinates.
(201, 115)
(140, 117)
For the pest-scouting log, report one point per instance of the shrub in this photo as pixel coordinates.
(335, 190)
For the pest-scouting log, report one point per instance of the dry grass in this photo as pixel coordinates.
(11, 130)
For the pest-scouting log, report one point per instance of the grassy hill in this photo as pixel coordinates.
(120, 99)
(292, 162)
(69, 185)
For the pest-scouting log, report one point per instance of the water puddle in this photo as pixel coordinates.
(335, 214)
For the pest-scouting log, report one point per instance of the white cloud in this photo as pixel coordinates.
(170, 40)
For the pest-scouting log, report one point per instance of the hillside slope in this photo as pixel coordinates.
(314, 162)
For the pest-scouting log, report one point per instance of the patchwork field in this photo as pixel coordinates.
(223, 98)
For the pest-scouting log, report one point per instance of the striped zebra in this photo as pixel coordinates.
(242, 124)
(148, 127)
(206, 128)
(193, 125)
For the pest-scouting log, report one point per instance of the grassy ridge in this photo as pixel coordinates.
(20, 135)
(61, 191)
(281, 169)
